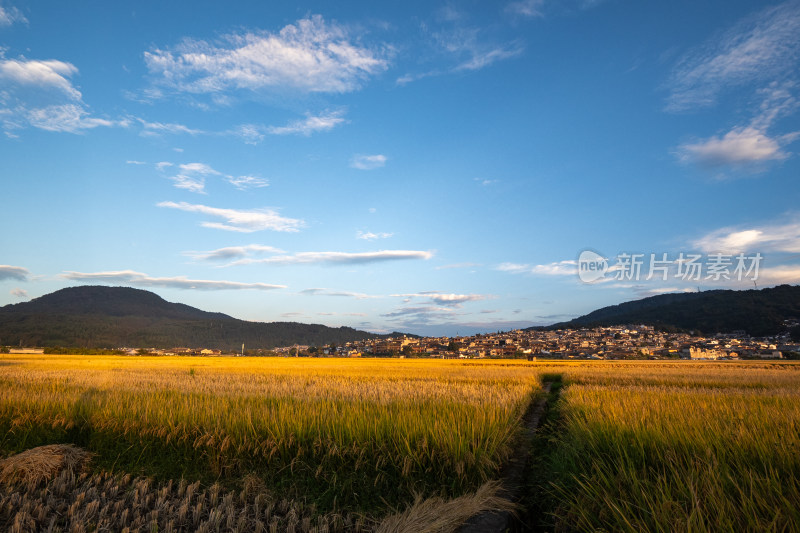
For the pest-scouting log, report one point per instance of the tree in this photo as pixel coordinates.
(407, 350)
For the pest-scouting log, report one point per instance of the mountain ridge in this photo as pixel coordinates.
(106, 317)
(757, 311)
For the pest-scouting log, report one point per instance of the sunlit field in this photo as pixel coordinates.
(337, 444)
(354, 434)
(675, 447)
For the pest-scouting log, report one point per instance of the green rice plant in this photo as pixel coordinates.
(681, 448)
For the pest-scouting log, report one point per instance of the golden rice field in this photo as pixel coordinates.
(336, 444)
(344, 434)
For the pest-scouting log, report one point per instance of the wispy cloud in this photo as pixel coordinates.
(370, 236)
(481, 58)
(763, 238)
(178, 282)
(311, 124)
(308, 56)
(11, 15)
(244, 183)
(338, 258)
(192, 177)
(134, 162)
(526, 8)
(557, 268)
(245, 255)
(13, 272)
(458, 265)
(244, 221)
(462, 48)
(368, 162)
(150, 129)
(423, 313)
(779, 275)
(330, 292)
(70, 118)
(233, 252)
(19, 293)
(249, 133)
(761, 48)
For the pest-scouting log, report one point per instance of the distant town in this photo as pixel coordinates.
(614, 342)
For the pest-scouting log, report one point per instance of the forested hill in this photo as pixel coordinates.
(110, 317)
(758, 312)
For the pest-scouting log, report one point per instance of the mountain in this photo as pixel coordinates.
(758, 312)
(108, 317)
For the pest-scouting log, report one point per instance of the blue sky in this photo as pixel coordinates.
(435, 168)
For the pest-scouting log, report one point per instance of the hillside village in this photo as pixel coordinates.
(614, 342)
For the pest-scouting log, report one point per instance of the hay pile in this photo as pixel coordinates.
(437, 515)
(42, 464)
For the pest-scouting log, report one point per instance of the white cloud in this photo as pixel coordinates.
(134, 162)
(368, 162)
(13, 272)
(369, 236)
(738, 147)
(48, 74)
(240, 220)
(453, 299)
(557, 268)
(309, 56)
(440, 298)
(345, 258)
(233, 252)
(38, 93)
(767, 238)
(10, 15)
(178, 282)
(311, 124)
(762, 47)
(19, 293)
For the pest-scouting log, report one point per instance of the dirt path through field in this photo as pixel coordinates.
(512, 474)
